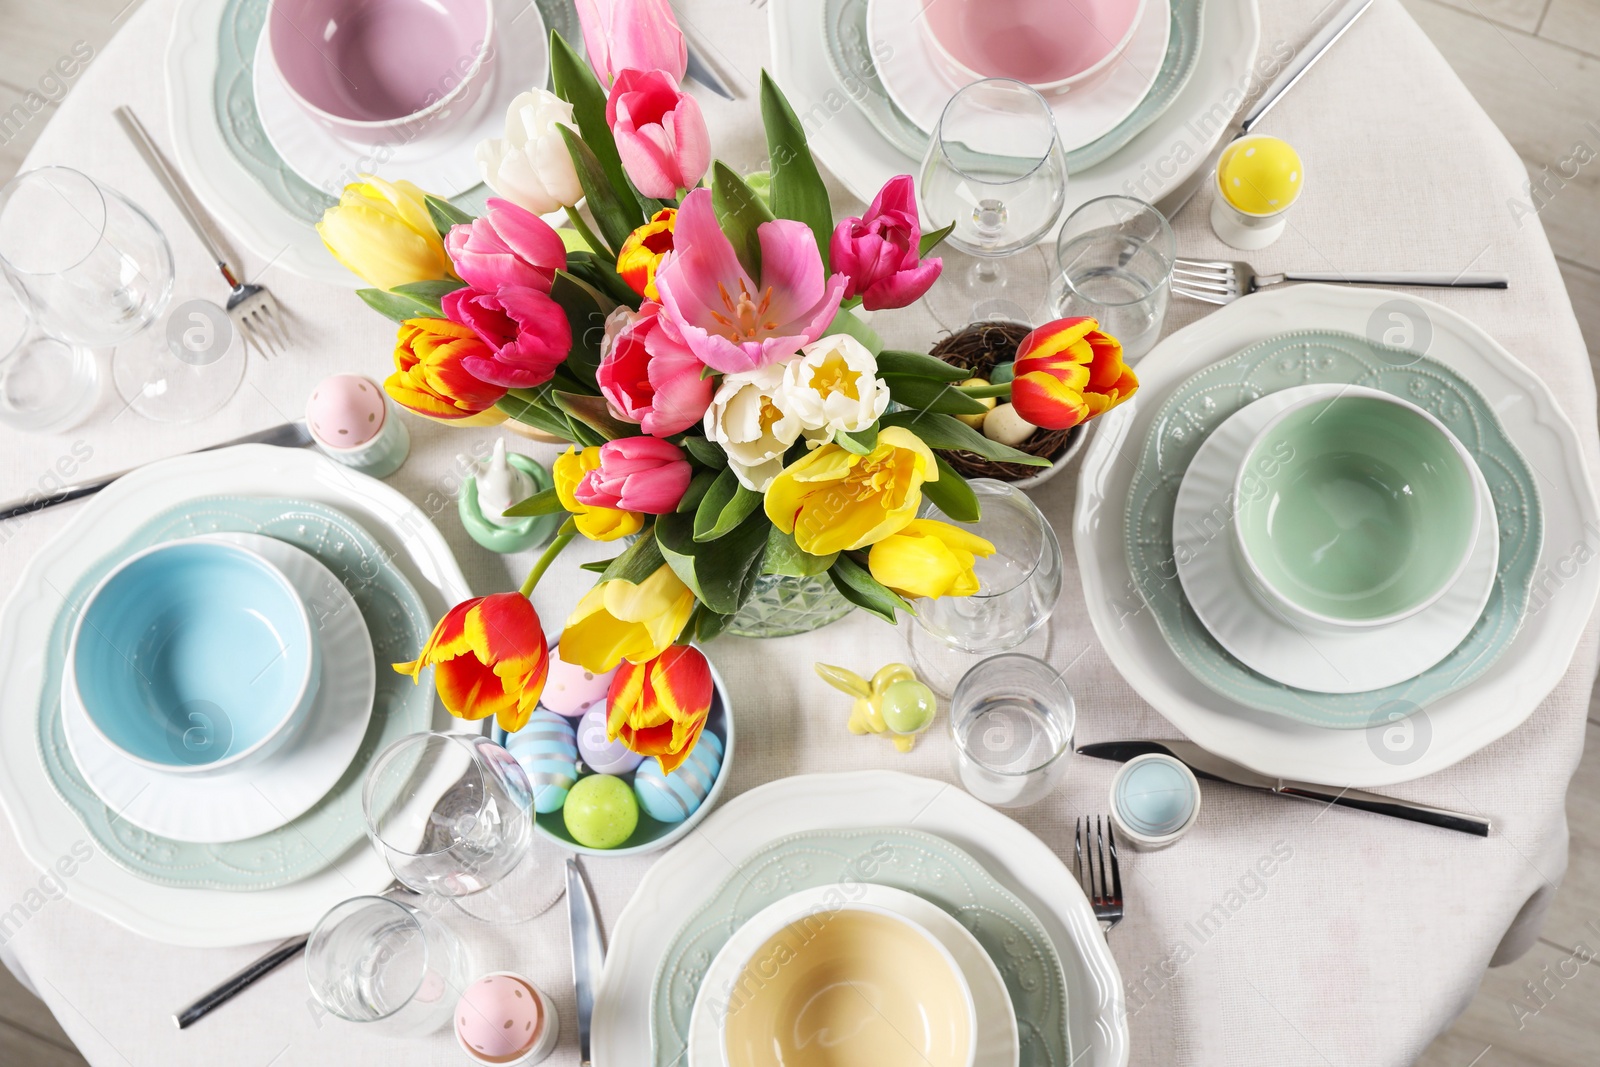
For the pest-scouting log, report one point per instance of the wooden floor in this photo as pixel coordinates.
(1535, 66)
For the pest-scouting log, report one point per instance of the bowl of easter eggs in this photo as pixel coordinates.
(594, 796)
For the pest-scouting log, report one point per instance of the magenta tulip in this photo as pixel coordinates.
(732, 322)
(878, 252)
(636, 34)
(526, 331)
(508, 245)
(647, 377)
(643, 474)
(661, 134)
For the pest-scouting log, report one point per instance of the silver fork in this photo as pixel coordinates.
(1220, 281)
(1105, 890)
(251, 307)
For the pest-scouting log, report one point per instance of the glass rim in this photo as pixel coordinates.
(415, 918)
(1055, 680)
(391, 752)
(1169, 256)
(9, 189)
(937, 140)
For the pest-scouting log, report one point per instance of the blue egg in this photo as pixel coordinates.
(676, 796)
(547, 748)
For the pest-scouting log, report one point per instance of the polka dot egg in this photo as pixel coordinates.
(676, 796)
(345, 411)
(570, 690)
(599, 753)
(499, 1018)
(547, 748)
(1260, 175)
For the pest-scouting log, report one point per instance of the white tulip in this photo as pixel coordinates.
(833, 386)
(749, 418)
(531, 166)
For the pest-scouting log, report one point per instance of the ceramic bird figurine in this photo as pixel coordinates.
(894, 702)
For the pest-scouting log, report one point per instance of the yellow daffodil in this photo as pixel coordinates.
(595, 523)
(618, 620)
(383, 233)
(928, 558)
(833, 500)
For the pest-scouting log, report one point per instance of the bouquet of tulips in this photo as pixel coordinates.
(696, 344)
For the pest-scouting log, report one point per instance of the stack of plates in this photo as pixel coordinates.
(259, 850)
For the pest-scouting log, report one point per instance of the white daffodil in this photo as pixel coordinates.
(833, 386)
(531, 166)
(749, 418)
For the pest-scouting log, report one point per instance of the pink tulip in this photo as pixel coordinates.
(725, 317)
(637, 34)
(660, 132)
(508, 245)
(647, 377)
(644, 474)
(526, 331)
(878, 252)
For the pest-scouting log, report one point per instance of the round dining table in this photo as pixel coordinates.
(1345, 938)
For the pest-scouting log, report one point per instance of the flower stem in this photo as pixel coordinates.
(569, 530)
(575, 217)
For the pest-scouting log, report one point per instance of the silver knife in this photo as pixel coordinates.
(588, 955)
(698, 71)
(289, 435)
(1331, 31)
(1207, 765)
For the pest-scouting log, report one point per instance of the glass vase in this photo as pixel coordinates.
(782, 605)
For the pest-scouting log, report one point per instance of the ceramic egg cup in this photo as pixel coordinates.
(521, 535)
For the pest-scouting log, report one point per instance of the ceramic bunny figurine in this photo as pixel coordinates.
(894, 702)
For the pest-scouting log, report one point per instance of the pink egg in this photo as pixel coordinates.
(499, 1017)
(345, 411)
(599, 754)
(570, 690)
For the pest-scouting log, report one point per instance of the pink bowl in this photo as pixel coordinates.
(1052, 45)
(383, 70)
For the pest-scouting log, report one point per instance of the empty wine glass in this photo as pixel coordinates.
(1115, 256)
(452, 814)
(996, 169)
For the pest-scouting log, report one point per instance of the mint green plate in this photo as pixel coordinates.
(1206, 400)
(919, 863)
(398, 624)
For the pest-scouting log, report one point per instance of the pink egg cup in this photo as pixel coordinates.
(383, 71)
(1051, 45)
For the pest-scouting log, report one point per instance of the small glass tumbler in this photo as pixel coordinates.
(377, 960)
(46, 385)
(1011, 725)
(1114, 261)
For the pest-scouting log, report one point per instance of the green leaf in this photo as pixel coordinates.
(857, 585)
(707, 624)
(923, 394)
(739, 213)
(785, 556)
(530, 413)
(602, 276)
(575, 83)
(951, 493)
(797, 189)
(398, 306)
(705, 451)
(638, 561)
(596, 566)
(699, 485)
(543, 503)
(1003, 389)
(617, 218)
(726, 504)
(721, 572)
(930, 241)
(431, 292)
(860, 443)
(917, 365)
(586, 309)
(942, 431)
(846, 323)
(444, 214)
(593, 412)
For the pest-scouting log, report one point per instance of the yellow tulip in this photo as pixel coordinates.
(382, 232)
(833, 500)
(928, 558)
(618, 620)
(597, 524)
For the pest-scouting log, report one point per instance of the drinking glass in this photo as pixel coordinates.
(46, 385)
(378, 960)
(452, 814)
(1011, 725)
(1114, 260)
(996, 169)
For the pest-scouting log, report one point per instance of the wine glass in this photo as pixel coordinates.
(996, 169)
(452, 814)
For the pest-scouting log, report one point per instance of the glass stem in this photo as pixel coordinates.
(985, 273)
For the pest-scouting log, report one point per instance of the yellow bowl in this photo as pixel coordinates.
(846, 987)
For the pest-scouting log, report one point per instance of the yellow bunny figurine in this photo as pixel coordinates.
(893, 703)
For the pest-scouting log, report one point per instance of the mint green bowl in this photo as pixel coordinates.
(1356, 510)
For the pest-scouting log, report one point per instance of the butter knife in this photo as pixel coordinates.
(289, 435)
(1207, 765)
(588, 955)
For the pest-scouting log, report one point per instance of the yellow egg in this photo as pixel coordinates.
(1260, 175)
(976, 421)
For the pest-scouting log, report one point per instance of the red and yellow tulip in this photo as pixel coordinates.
(659, 707)
(642, 251)
(489, 658)
(429, 378)
(1068, 372)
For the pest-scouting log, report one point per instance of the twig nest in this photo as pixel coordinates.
(1004, 425)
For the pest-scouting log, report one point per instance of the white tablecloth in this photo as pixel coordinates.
(1360, 948)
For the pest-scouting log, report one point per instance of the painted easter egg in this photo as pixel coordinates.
(547, 748)
(1260, 175)
(345, 411)
(570, 690)
(499, 1018)
(599, 754)
(676, 796)
(601, 812)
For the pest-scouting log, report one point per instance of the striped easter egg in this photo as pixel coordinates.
(547, 748)
(676, 796)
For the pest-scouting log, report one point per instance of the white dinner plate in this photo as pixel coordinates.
(683, 879)
(920, 82)
(997, 1043)
(1444, 732)
(205, 918)
(1321, 659)
(255, 798)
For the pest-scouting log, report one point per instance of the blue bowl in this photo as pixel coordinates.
(193, 656)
